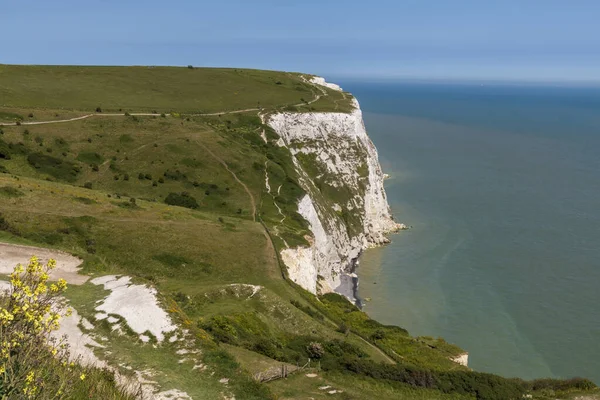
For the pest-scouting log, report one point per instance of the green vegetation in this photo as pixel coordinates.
(90, 158)
(182, 200)
(148, 89)
(35, 364)
(179, 202)
(60, 169)
(9, 191)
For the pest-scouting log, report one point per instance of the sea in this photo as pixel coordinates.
(500, 186)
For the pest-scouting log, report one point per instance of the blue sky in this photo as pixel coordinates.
(457, 39)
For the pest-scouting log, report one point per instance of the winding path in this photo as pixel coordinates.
(222, 162)
(58, 121)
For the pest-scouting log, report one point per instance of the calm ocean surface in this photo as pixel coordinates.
(501, 185)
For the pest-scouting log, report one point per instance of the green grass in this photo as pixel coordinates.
(10, 192)
(161, 89)
(10, 116)
(299, 386)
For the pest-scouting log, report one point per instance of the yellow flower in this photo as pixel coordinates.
(82, 376)
(2, 369)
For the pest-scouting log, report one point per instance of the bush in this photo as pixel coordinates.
(183, 199)
(562, 385)
(9, 191)
(60, 169)
(7, 226)
(315, 350)
(87, 185)
(98, 110)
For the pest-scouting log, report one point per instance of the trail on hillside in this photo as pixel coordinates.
(58, 121)
(67, 265)
(220, 160)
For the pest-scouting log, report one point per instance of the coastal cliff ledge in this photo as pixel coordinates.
(345, 203)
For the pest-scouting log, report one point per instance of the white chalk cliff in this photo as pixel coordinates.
(345, 204)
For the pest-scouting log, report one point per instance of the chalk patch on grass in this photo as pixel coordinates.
(86, 324)
(137, 304)
(79, 342)
(238, 287)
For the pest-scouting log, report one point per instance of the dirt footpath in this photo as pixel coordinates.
(67, 266)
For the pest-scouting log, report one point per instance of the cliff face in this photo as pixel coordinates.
(345, 204)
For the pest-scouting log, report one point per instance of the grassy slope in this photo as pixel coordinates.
(191, 256)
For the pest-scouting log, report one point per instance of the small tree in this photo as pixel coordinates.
(315, 350)
(98, 110)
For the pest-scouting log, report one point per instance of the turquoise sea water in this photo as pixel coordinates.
(501, 185)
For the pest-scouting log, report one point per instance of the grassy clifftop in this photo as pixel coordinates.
(164, 89)
(179, 202)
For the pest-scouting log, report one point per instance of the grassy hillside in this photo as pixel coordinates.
(179, 202)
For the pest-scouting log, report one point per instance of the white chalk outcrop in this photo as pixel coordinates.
(462, 359)
(317, 80)
(345, 205)
(137, 304)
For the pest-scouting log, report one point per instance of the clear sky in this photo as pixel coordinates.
(459, 39)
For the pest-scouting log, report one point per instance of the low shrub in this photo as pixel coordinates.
(59, 169)
(6, 226)
(183, 199)
(11, 192)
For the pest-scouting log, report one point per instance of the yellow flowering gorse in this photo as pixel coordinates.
(29, 312)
